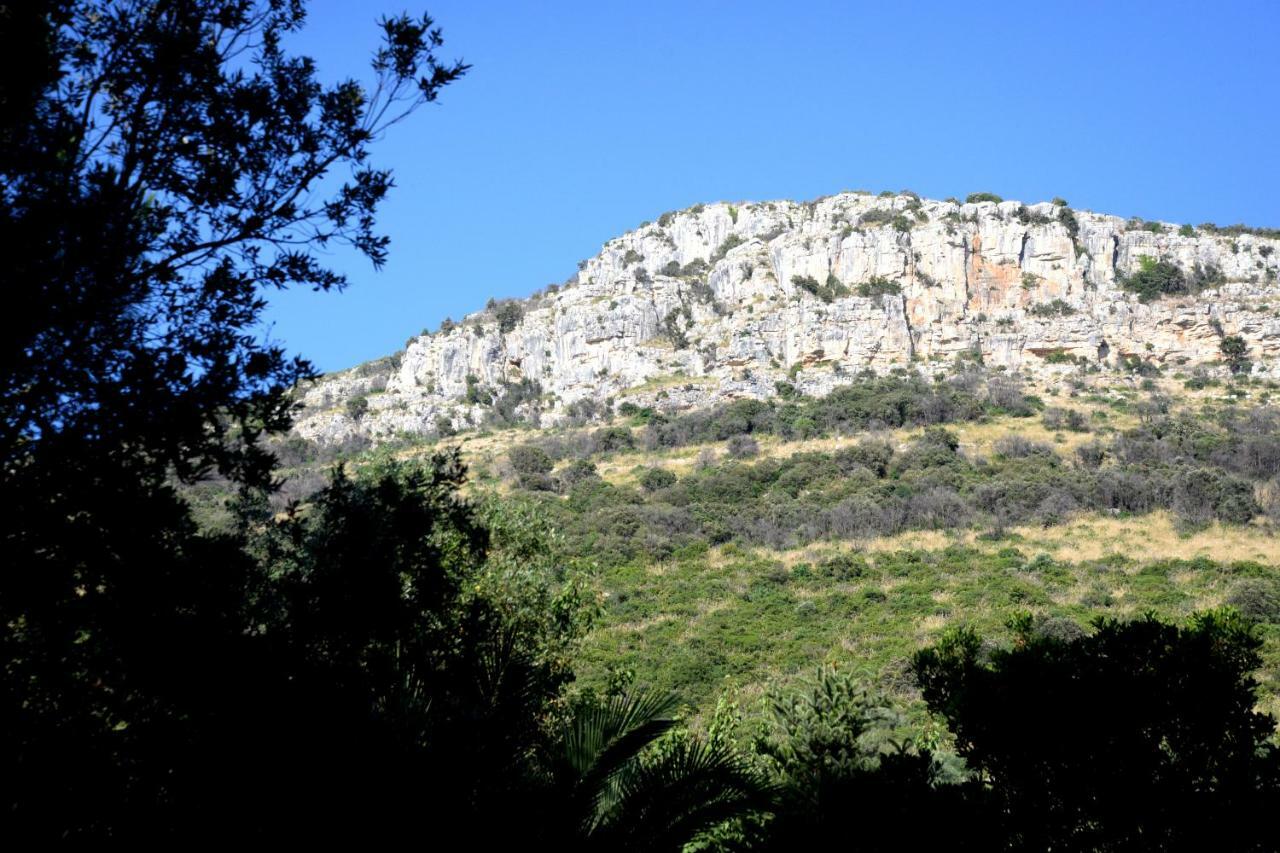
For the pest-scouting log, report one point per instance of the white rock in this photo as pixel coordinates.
(969, 277)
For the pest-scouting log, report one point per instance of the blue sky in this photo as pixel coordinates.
(580, 120)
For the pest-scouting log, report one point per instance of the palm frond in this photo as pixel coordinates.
(664, 801)
(603, 735)
(602, 738)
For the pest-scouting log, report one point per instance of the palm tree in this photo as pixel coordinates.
(625, 789)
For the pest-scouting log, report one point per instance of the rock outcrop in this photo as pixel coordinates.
(722, 301)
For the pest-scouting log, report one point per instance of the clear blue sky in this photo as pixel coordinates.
(580, 120)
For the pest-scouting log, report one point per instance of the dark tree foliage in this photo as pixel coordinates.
(1140, 736)
(163, 166)
(1154, 279)
(1235, 350)
(415, 675)
(527, 459)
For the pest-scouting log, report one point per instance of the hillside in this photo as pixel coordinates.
(725, 301)
(741, 545)
(778, 435)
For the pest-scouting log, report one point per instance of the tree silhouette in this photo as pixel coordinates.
(1140, 736)
(163, 166)
(428, 666)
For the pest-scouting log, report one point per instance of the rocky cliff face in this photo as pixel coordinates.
(722, 301)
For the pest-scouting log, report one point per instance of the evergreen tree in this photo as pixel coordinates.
(1140, 736)
(164, 164)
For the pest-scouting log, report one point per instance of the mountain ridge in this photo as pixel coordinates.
(722, 301)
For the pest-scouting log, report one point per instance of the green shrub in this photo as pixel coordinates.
(1155, 279)
(477, 394)
(578, 471)
(828, 292)
(974, 198)
(879, 286)
(611, 439)
(695, 268)
(654, 479)
(807, 283)
(1027, 216)
(1257, 599)
(670, 328)
(1056, 308)
(876, 216)
(730, 242)
(1236, 352)
(1059, 356)
(842, 567)
(1068, 220)
(508, 313)
(357, 407)
(528, 459)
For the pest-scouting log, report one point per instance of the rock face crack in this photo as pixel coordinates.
(825, 276)
(911, 336)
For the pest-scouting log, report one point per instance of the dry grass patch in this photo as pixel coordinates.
(1087, 538)
(1152, 537)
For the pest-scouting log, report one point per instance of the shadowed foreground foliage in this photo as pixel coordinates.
(1139, 736)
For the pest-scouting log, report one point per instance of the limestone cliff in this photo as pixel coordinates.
(722, 301)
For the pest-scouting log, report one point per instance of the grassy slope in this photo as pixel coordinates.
(734, 618)
(740, 618)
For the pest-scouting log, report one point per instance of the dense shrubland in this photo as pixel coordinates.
(1198, 469)
(867, 402)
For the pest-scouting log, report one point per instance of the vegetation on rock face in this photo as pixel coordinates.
(1056, 308)
(808, 249)
(356, 407)
(1154, 279)
(508, 313)
(878, 286)
(828, 292)
(1236, 352)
